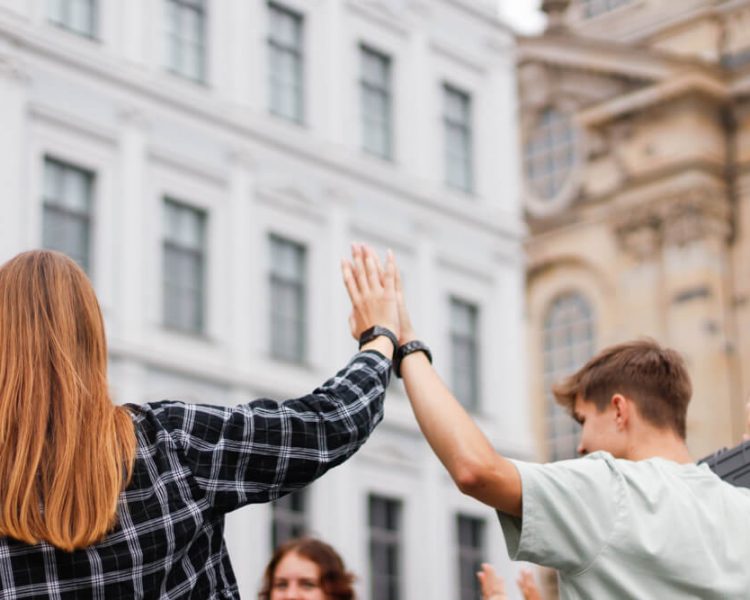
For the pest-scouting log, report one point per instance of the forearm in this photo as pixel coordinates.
(457, 441)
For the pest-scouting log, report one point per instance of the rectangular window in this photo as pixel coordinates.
(458, 139)
(470, 556)
(78, 16)
(186, 38)
(592, 8)
(286, 64)
(376, 99)
(288, 287)
(465, 352)
(289, 518)
(67, 210)
(184, 267)
(384, 520)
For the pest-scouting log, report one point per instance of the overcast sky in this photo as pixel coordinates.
(523, 15)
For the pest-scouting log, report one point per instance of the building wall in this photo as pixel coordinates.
(107, 104)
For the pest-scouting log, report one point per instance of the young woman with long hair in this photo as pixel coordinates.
(106, 501)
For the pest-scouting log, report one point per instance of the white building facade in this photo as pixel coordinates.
(209, 163)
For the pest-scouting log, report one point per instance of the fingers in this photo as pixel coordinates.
(373, 267)
(389, 280)
(360, 274)
(351, 283)
(397, 277)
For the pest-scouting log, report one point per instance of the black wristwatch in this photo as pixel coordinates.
(376, 331)
(406, 350)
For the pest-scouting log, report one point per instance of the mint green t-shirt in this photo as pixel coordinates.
(633, 529)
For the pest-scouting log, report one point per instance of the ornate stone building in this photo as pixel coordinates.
(636, 156)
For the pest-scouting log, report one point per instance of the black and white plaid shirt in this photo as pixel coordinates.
(194, 464)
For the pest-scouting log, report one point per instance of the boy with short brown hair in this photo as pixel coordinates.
(635, 517)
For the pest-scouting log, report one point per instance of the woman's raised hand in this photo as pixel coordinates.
(372, 291)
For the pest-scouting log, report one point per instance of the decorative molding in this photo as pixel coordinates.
(698, 215)
(639, 235)
(241, 157)
(693, 216)
(12, 70)
(65, 120)
(135, 117)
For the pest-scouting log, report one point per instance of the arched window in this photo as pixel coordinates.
(568, 343)
(549, 153)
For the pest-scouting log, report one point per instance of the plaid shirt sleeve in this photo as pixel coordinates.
(259, 451)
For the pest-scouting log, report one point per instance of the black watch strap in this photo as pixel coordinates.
(407, 349)
(376, 331)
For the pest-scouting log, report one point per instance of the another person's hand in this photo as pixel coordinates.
(407, 330)
(528, 586)
(373, 296)
(491, 584)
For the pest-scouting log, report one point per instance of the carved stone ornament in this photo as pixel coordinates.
(640, 235)
(695, 215)
(698, 214)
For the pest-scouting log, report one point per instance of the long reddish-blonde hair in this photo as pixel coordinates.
(66, 451)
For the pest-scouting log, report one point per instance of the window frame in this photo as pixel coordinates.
(277, 47)
(301, 285)
(199, 327)
(285, 515)
(473, 341)
(389, 537)
(590, 9)
(175, 38)
(464, 127)
(55, 207)
(383, 91)
(470, 557)
(65, 23)
(559, 425)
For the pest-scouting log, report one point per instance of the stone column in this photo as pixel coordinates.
(241, 255)
(13, 155)
(132, 32)
(497, 167)
(697, 290)
(132, 244)
(333, 96)
(421, 116)
(641, 306)
(332, 509)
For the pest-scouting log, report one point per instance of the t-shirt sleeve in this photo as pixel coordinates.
(570, 510)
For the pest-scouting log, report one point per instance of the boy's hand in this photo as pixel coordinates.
(407, 330)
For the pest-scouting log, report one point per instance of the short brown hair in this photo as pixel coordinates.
(334, 579)
(655, 378)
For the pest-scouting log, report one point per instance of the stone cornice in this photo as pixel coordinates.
(689, 83)
(567, 50)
